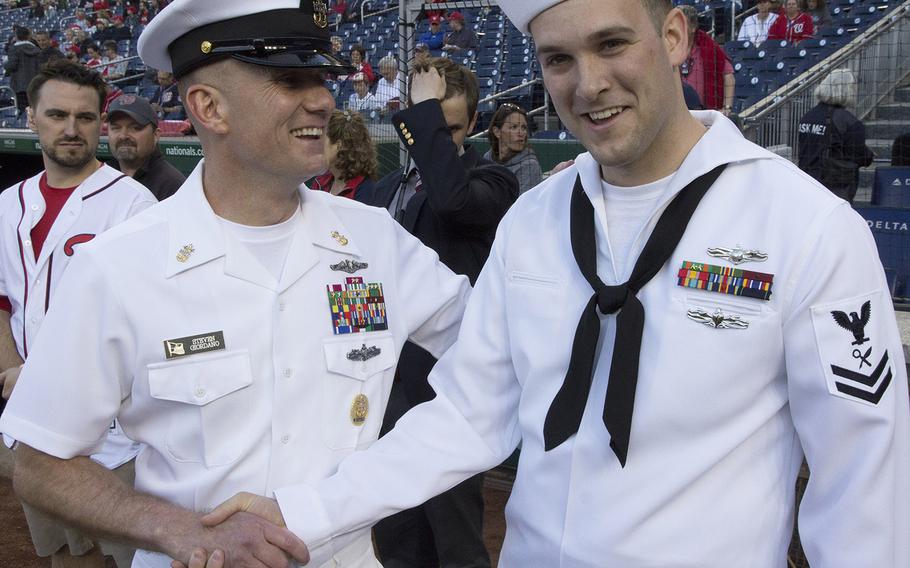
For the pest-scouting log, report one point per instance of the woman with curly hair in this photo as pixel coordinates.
(350, 155)
(508, 135)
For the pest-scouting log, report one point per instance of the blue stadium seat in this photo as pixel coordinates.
(891, 187)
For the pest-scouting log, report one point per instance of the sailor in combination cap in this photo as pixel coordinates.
(668, 327)
(245, 329)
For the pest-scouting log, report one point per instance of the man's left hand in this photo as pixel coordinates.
(8, 379)
(246, 503)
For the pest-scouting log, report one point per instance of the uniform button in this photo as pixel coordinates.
(402, 126)
(285, 439)
(28, 243)
(37, 283)
(281, 306)
(34, 320)
(411, 142)
(199, 393)
(35, 208)
(288, 372)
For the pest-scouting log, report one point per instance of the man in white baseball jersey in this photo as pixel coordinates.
(44, 221)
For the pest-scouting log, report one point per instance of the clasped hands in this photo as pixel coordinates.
(246, 531)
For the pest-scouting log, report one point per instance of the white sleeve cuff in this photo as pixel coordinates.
(306, 516)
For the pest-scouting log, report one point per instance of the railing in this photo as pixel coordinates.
(880, 60)
(533, 112)
(366, 3)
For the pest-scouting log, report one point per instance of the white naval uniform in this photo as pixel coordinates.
(103, 200)
(273, 406)
(722, 416)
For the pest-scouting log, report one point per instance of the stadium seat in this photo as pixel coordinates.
(891, 187)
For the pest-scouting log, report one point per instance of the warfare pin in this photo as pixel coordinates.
(738, 254)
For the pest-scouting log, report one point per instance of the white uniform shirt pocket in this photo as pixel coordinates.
(357, 375)
(207, 396)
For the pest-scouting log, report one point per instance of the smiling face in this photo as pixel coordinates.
(277, 120)
(792, 8)
(67, 120)
(614, 80)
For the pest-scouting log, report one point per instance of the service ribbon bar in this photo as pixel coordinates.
(725, 280)
(357, 307)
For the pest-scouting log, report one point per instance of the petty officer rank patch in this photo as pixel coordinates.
(357, 307)
(725, 280)
(852, 337)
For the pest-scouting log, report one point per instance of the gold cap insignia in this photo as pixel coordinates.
(206, 47)
(320, 13)
(360, 409)
(185, 253)
(342, 240)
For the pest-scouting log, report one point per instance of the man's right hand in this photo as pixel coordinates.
(248, 541)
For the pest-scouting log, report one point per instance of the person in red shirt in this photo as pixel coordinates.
(350, 155)
(794, 25)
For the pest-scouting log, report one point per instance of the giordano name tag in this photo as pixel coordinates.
(212, 341)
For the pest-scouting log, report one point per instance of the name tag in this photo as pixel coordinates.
(176, 348)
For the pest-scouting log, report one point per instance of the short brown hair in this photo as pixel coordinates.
(356, 153)
(459, 81)
(64, 70)
(658, 10)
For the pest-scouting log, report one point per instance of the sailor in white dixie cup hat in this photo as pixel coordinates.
(246, 329)
(667, 327)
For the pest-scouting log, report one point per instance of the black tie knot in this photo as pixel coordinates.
(611, 298)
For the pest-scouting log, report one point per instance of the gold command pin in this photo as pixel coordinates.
(360, 409)
(206, 47)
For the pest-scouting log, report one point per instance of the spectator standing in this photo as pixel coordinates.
(48, 51)
(832, 141)
(821, 17)
(362, 99)
(102, 31)
(360, 63)
(133, 138)
(707, 69)
(22, 65)
(900, 150)
(45, 221)
(434, 38)
(166, 100)
(388, 88)
(509, 135)
(793, 25)
(461, 37)
(350, 155)
(452, 200)
(755, 28)
(36, 10)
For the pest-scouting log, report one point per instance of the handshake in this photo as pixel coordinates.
(245, 531)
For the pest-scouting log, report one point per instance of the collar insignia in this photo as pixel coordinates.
(185, 253)
(738, 255)
(342, 240)
(717, 320)
(349, 266)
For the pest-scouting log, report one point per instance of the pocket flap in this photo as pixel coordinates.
(199, 381)
(357, 357)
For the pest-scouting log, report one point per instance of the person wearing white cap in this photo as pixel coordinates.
(736, 302)
(246, 329)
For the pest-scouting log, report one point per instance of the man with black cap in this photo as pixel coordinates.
(668, 327)
(246, 329)
(133, 139)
